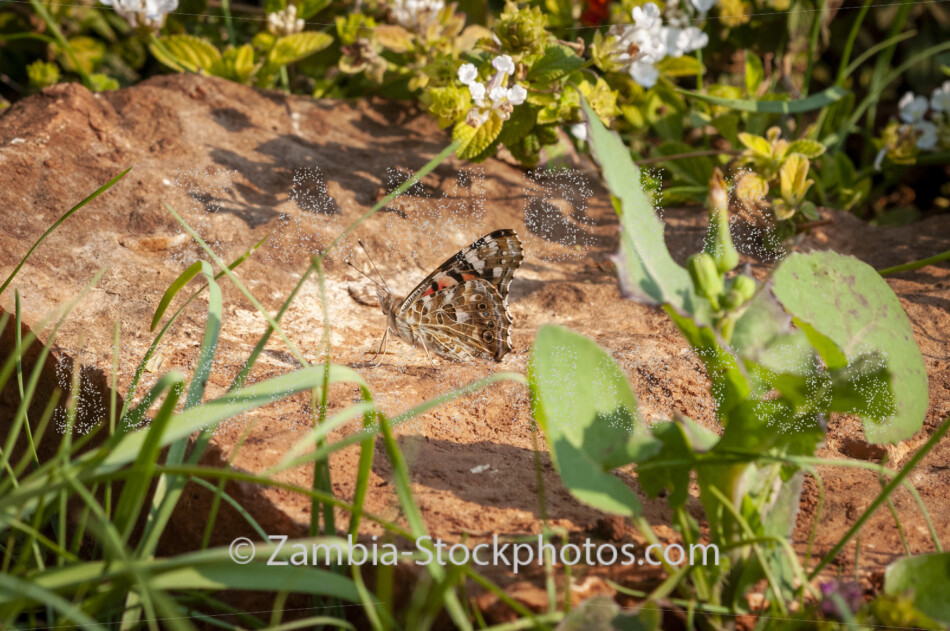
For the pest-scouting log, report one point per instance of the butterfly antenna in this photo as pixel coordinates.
(373, 264)
(372, 280)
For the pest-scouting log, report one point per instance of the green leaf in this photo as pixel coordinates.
(757, 144)
(556, 62)
(274, 6)
(237, 64)
(584, 405)
(926, 576)
(185, 53)
(680, 439)
(754, 73)
(647, 271)
(308, 8)
(473, 141)
(811, 149)
(684, 66)
(291, 48)
(848, 302)
(816, 101)
(523, 119)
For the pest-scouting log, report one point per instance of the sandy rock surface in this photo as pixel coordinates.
(238, 164)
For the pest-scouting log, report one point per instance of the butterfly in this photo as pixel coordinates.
(460, 310)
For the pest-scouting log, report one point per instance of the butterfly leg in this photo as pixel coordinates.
(382, 347)
(426, 349)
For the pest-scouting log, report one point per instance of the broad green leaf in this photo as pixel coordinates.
(848, 302)
(816, 101)
(557, 61)
(811, 149)
(292, 48)
(185, 53)
(926, 576)
(474, 140)
(754, 73)
(584, 405)
(647, 271)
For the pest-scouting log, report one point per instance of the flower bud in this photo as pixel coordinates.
(706, 277)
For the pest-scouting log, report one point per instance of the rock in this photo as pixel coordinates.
(238, 164)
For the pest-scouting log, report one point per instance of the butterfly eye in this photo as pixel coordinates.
(482, 307)
(488, 336)
(485, 315)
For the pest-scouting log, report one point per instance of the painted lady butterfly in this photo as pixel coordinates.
(460, 310)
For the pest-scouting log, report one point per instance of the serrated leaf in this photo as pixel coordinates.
(185, 53)
(523, 119)
(758, 144)
(684, 66)
(291, 48)
(848, 302)
(811, 149)
(556, 62)
(589, 415)
(474, 140)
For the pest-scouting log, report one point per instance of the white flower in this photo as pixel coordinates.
(284, 22)
(928, 135)
(646, 16)
(671, 39)
(467, 74)
(477, 90)
(517, 94)
(912, 108)
(147, 13)
(579, 131)
(651, 43)
(501, 99)
(644, 73)
(703, 6)
(498, 93)
(415, 13)
(692, 38)
(503, 64)
(940, 99)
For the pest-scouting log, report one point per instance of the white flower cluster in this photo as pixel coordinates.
(147, 13)
(284, 22)
(500, 98)
(913, 108)
(414, 13)
(647, 41)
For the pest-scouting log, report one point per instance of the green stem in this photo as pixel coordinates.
(849, 44)
(906, 267)
(229, 22)
(58, 34)
(882, 497)
(813, 47)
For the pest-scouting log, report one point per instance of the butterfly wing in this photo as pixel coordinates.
(492, 258)
(468, 319)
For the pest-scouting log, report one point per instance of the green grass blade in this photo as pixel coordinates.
(102, 189)
(816, 101)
